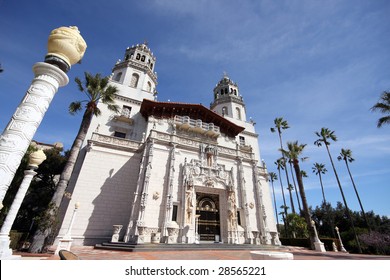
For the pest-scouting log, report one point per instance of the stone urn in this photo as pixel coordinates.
(36, 158)
(66, 44)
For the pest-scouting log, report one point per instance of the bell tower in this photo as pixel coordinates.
(227, 100)
(137, 71)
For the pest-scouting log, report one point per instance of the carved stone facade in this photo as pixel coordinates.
(180, 173)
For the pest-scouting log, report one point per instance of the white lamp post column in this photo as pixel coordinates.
(318, 245)
(66, 242)
(65, 47)
(341, 242)
(35, 159)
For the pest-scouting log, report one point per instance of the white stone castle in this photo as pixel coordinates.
(170, 172)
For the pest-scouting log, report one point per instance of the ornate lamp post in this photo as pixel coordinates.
(35, 159)
(66, 241)
(65, 48)
(342, 249)
(318, 245)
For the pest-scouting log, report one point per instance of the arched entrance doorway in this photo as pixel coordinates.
(207, 206)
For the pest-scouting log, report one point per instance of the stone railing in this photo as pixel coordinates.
(186, 123)
(110, 141)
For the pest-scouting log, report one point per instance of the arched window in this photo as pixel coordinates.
(138, 56)
(225, 111)
(148, 87)
(151, 66)
(226, 90)
(118, 77)
(134, 80)
(235, 92)
(143, 58)
(238, 111)
(221, 91)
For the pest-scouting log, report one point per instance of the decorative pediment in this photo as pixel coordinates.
(195, 174)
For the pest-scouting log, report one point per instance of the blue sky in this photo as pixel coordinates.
(314, 63)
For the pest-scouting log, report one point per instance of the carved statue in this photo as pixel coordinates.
(67, 44)
(190, 198)
(232, 208)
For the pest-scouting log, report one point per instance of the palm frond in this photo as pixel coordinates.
(75, 107)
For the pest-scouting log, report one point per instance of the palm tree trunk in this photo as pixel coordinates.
(288, 180)
(74, 152)
(41, 236)
(295, 187)
(358, 197)
(284, 199)
(322, 187)
(344, 200)
(304, 203)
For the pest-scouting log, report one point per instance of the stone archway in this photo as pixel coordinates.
(207, 207)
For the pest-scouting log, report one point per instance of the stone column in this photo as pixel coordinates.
(6, 251)
(35, 159)
(244, 201)
(65, 47)
(169, 202)
(143, 235)
(263, 234)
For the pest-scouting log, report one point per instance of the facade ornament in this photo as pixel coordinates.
(156, 195)
(66, 44)
(251, 205)
(190, 203)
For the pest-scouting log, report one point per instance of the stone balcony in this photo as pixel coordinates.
(124, 116)
(113, 142)
(197, 126)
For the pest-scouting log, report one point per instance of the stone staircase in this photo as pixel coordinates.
(203, 246)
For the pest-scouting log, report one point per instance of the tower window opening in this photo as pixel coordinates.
(226, 90)
(222, 91)
(134, 80)
(151, 66)
(242, 140)
(238, 111)
(138, 56)
(118, 77)
(143, 58)
(148, 87)
(235, 92)
(127, 57)
(225, 111)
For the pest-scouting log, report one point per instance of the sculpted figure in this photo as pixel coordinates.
(67, 44)
(190, 196)
(232, 208)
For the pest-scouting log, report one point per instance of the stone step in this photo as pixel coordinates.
(122, 246)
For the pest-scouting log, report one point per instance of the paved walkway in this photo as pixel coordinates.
(89, 253)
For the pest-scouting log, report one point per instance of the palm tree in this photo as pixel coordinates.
(318, 169)
(280, 165)
(346, 155)
(273, 177)
(383, 106)
(294, 150)
(96, 89)
(325, 135)
(295, 185)
(280, 125)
